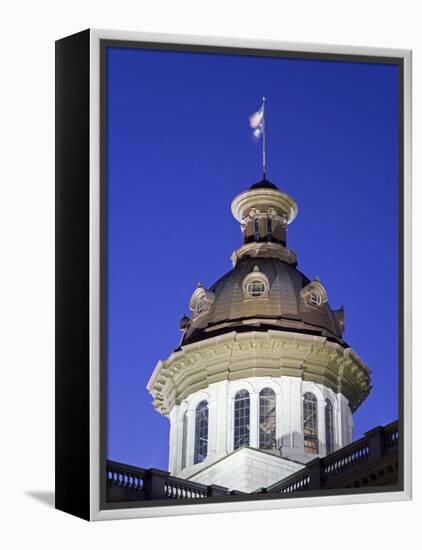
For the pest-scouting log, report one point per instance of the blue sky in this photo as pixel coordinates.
(180, 149)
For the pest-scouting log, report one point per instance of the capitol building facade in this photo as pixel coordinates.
(262, 382)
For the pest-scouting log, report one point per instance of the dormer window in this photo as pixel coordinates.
(256, 285)
(201, 300)
(314, 294)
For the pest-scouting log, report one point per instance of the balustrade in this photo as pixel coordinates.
(323, 472)
(128, 483)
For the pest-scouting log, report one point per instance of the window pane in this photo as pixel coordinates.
(200, 306)
(329, 426)
(267, 437)
(310, 423)
(256, 288)
(201, 432)
(241, 419)
(315, 298)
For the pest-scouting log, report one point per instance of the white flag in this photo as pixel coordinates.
(257, 121)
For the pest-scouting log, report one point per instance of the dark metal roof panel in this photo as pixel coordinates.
(284, 301)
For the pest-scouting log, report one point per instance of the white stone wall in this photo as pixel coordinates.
(246, 470)
(289, 392)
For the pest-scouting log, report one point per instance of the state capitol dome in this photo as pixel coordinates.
(262, 380)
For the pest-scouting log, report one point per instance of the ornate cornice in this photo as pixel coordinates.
(264, 250)
(262, 199)
(234, 356)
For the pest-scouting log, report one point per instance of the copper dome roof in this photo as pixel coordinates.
(284, 306)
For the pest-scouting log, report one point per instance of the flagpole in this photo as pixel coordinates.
(264, 152)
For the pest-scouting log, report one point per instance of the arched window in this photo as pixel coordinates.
(329, 427)
(241, 419)
(201, 432)
(184, 439)
(310, 423)
(267, 439)
(269, 225)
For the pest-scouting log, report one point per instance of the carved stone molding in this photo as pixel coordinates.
(234, 356)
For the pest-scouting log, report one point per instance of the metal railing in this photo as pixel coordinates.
(323, 472)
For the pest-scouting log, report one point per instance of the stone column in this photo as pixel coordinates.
(344, 421)
(213, 414)
(174, 446)
(295, 449)
(191, 437)
(254, 421)
(223, 417)
(284, 421)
